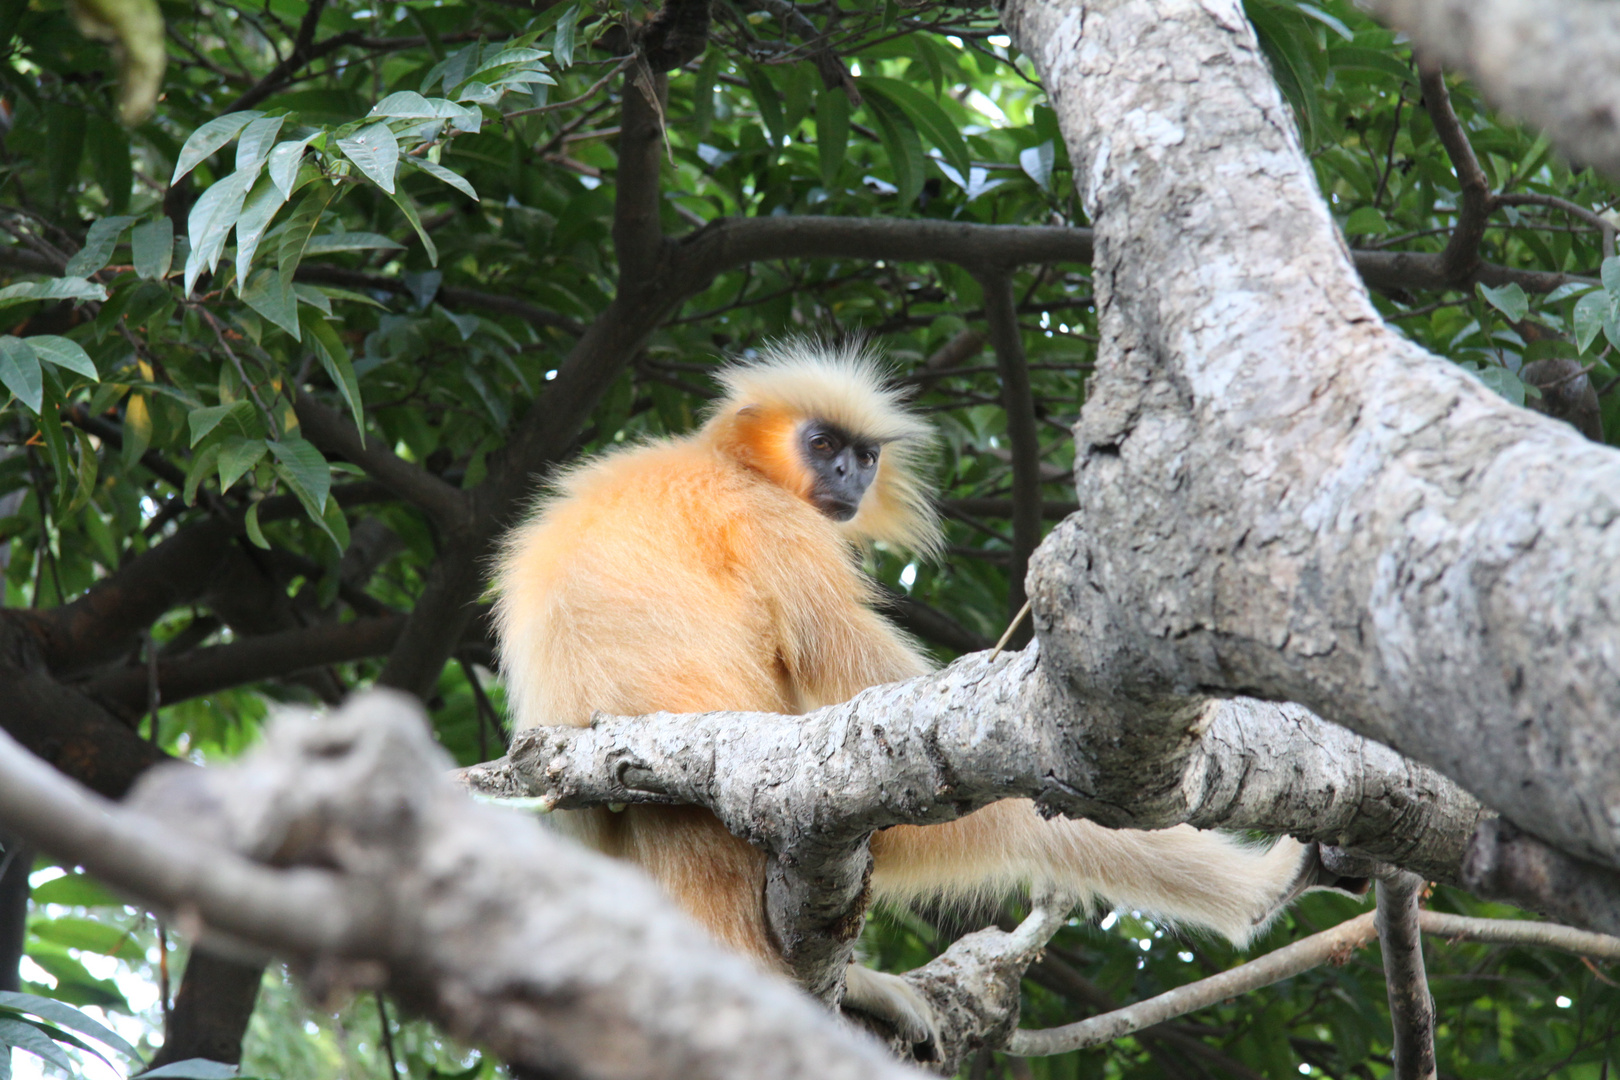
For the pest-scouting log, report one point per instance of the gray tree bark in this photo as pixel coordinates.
(1279, 495)
(340, 844)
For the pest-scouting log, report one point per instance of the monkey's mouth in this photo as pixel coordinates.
(838, 509)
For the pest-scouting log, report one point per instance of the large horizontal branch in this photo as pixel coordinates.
(931, 624)
(328, 429)
(104, 624)
(1003, 508)
(61, 725)
(730, 242)
(809, 789)
(1554, 63)
(252, 659)
(559, 960)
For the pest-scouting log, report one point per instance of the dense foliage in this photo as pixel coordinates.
(407, 210)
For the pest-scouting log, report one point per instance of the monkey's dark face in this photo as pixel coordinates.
(843, 466)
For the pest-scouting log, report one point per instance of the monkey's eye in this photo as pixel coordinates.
(868, 458)
(822, 444)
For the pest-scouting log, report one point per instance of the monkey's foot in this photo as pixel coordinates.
(895, 1002)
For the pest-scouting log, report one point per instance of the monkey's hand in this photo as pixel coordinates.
(895, 1002)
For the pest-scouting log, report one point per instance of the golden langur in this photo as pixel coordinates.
(721, 570)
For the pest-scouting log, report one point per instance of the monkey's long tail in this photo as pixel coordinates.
(1182, 876)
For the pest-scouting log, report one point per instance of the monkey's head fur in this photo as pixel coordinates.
(767, 402)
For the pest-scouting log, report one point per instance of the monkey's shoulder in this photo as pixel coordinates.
(678, 491)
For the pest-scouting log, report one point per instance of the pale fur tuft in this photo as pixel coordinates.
(846, 385)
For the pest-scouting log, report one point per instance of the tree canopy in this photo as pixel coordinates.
(296, 327)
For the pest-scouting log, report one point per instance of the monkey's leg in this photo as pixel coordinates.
(720, 881)
(1182, 875)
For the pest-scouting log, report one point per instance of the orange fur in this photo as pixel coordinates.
(691, 574)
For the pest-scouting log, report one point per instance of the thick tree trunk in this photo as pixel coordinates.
(1280, 496)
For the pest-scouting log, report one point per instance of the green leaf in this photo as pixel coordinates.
(64, 354)
(110, 160)
(190, 1069)
(50, 429)
(703, 93)
(153, 244)
(351, 241)
(438, 171)
(89, 466)
(74, 890)
(1365, 221)
(64, 149)
(1037, 162)
(832, 134)
(57, 1034)
(309, 294)
(334, 357)
(208, 138)
(306, 472)
(74, 984)
(255, 534)
(769, 100)
(236, 456)
(507, 57)
(902, 144)
(98, 246)
(284, 161)
(137, 428)
(1611, 276)
(376, 151)
(25, 1036)
(562, 39)
(257, 139)
(337, 527)
(1590, 312)
(203, 465)
(405, 104)
(273, 298)
(261, 205)
(1503, 382)
(408, 208)
(204, 420)
(926, 114)
(86, 935)
(210, 222)
(19, 372)
(1326, 20)
(1509, 299)
(1356, 58)
(62, 288)
(301, 225)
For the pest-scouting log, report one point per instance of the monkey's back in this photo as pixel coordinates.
(650, 580)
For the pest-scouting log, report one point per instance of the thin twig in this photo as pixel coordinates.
(387, 1035)
(590, 92)
(1006, 635)
(1290, 960)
